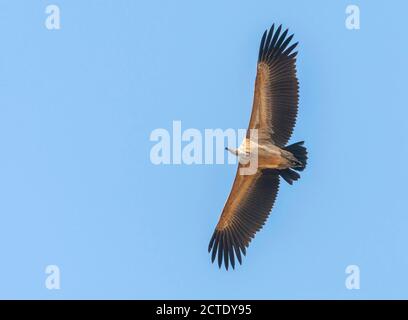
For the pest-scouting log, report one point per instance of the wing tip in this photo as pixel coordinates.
(273, 44)
(224, 248)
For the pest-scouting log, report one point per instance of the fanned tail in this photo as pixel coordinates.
(300, 153)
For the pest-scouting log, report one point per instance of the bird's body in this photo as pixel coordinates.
(268, 155)
(273, 118)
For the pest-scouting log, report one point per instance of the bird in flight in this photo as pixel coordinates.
(271, 124)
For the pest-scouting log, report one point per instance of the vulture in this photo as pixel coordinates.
(273, 117)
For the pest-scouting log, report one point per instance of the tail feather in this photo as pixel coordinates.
(289, 175)
(300, 153)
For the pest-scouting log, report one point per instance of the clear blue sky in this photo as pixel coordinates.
(77, 188)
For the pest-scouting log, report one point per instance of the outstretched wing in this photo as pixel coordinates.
(245, 212)
(276, 93)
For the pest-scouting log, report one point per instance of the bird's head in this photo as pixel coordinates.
(232, 150)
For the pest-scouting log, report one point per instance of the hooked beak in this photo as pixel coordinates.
(233, 151)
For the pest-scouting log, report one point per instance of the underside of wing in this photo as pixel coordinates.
(276, 93)
(245, 212)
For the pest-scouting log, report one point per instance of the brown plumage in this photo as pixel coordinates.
(273, 117)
